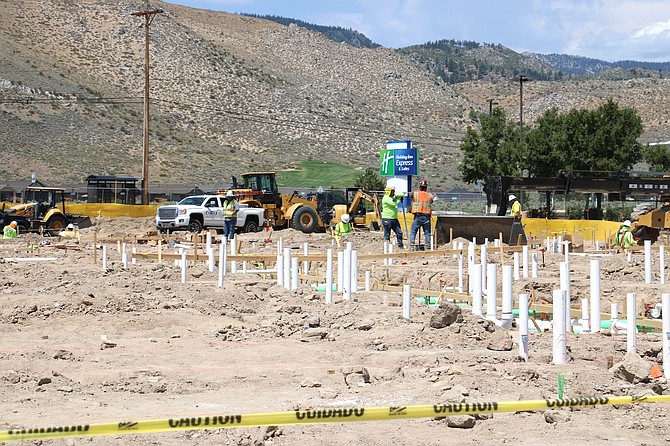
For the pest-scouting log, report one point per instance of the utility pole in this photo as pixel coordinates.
(522, 79)
(149, 15)
(491, 102)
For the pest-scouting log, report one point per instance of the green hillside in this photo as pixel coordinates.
(314, 174)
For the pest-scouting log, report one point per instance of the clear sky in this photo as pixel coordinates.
(609, 30)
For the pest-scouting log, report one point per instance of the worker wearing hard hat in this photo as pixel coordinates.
(624, 236)
(390, 214)
(343, 227)
(515, 209)
(10, 231)
(422, 208)
(229, 215)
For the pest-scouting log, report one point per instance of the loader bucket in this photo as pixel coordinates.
(479, 227)
(81, 221)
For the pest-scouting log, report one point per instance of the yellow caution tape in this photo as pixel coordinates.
(316, 417)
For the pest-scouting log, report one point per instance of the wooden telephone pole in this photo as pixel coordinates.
(149, 15)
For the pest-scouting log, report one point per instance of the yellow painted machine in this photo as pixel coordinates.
(259, 189)
(42, 213)
(363, 209)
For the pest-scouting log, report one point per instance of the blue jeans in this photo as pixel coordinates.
(229, 228)
(420, 221)
(392, 224)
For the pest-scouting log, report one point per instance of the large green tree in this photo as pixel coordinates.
(604, 139)
(658, 157)
(491, 151)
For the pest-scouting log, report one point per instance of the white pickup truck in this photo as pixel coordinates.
(204, 212)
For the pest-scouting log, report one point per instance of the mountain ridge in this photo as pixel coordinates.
(232, 93)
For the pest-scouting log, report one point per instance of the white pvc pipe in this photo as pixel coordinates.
(484, 263)
(523, 326)
(524, 260)
(208, 239)
(559, 341)
(566, 250)
(233, 251)
(222, 264)
(280, 269)
(507, 281)
(476, 280)
(340, 271)
(614, 318)
(535, 267)
(595, 295)
(565, 286)
(386, 251)
(104, 257)
(647, 261)
(665, 313)
(661, 264)
(585, 316)
(210, 256)
(305, 264)
(354, 271)
(491, 291)
(368, 281)
(245, 266)
(184, 262)
(295, 269)
(391, 250)
(629, 256)
(406, 300)
(559, 245)
(516, 266)
(329, 276)
(346, 275)
(631, 322)
(471, 264)
(287, 268)
(460, 273)
(124, 257)
(280, 246)
(133, 259)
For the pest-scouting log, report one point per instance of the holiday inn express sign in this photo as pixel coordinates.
(399, 158)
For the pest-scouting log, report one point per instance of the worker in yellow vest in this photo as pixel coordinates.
(10, 231)
(422, 208)
(515, 210)
(229, 215)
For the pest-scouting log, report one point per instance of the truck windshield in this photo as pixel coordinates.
(193, 201)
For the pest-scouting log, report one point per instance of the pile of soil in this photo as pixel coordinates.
(83, 345)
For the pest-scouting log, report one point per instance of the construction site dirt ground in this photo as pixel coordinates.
(83, 345)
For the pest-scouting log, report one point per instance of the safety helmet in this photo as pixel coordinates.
(512, 197)
(70, 227)
(230, 194)
(626, 223)
(423, 183)
(13, 224)
(345, 218)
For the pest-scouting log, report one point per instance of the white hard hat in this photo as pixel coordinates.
(70, 227)
(345, 218)
(230, 193)
(626, 223)
(512, 197)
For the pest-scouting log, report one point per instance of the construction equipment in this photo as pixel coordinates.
(359, 213)
(259, 189)
(617, 185)
(40, 211)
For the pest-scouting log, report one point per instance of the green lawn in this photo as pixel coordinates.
(312, 174)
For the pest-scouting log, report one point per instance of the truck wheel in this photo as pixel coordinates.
(305, 219)
(194, 225)
(250, 226)
(56, 224)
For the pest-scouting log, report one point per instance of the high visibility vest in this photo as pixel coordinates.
(422, 202)
(343, 228)
(229, 208)
(8, 232)
(516, 209)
